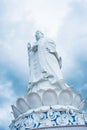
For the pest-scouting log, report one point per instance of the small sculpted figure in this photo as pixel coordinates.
(44, 62)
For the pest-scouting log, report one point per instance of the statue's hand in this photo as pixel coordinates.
(35, 48)
(29, 46)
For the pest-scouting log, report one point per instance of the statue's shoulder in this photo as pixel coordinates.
(50, 42)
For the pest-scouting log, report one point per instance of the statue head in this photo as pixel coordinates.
(39, 35)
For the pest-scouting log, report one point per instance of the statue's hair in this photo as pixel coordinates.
(39, 32)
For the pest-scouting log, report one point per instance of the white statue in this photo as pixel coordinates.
(44, 62)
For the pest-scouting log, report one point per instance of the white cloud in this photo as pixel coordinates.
(6, 93)
(47, 15)
(72, 41)
(6, 90)
(5, 116)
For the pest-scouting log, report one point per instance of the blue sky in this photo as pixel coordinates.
(63, 21)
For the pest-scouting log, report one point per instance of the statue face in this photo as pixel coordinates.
(39, 35)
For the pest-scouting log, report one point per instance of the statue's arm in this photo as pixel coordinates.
(29, 47)
(59, 59)
(60, 62)
(52, 49)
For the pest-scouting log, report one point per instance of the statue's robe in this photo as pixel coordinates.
(44, 64)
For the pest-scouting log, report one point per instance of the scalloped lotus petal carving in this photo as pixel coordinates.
(77, 100)
(49, 97)
(34, 100)
(65, 97)
(22, 105)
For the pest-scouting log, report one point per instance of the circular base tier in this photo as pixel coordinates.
(46, 117)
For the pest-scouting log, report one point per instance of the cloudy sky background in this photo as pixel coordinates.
(64, 21)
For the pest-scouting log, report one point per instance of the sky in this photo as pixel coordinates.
(64, 21)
